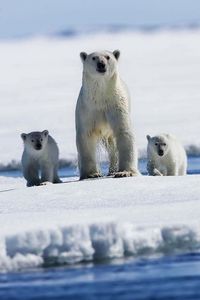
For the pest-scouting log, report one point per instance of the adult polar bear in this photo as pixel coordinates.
(102, 114)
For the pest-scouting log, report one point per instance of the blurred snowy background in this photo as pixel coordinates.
(40, 76)
(21, 18)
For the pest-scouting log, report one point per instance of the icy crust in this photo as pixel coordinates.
(72, 244)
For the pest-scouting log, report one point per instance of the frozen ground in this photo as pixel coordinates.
(92, 220)
(80, 221)
(40, 80)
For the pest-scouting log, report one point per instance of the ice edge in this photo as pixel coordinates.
(80, 243)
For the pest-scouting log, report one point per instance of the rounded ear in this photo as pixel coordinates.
(148, 137)
(23, 136)
(45, 132)
(83, 56)
(116, 54)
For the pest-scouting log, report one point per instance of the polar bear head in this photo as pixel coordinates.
(36, 140)
(100, 64)
(158, 144)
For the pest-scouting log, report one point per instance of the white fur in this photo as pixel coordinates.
(174, 160)
(44, 160)
(102, 114)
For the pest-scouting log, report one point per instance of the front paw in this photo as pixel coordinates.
(111, 174)
(126, 174)
(157, 173)
(33, 183)
(91, 176)
(46, 183)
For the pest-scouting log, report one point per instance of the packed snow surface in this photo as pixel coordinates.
(40, 80)
(96, 219)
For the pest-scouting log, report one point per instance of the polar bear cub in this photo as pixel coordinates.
(102, 115)
(165, 156)
(40, 156)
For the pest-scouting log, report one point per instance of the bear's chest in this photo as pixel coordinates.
(100, 96)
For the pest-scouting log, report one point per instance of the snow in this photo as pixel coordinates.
(94, 219)
(40, 80)
(106, 218)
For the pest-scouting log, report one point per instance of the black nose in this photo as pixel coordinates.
(160, 152)
(101, 65)
(38, 146)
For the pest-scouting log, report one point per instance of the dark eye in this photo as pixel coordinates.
(107, 57)
(32, 141)
(41, 140)
(94, 58)
(156, 144)
(164, 144)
